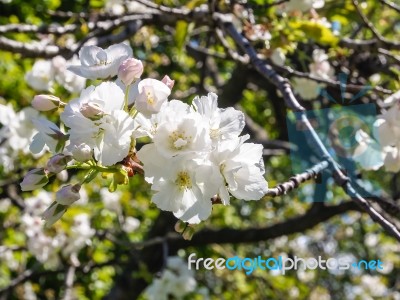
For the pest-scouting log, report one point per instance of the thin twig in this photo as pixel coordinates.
(373, 29)
(295, 181)
(330, 82)
(392, 5)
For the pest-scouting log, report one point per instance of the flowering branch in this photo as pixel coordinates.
(330, 82)
(284, 87)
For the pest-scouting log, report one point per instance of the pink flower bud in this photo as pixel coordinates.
(168, 82)
(58, 162)
(34, 179)
(45, 102)
(91, 110)
(68, 194)
(130, 70)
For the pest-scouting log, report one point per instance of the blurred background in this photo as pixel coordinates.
(121, 246)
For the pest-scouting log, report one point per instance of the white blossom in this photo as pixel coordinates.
(98, 63)
(368, 153)
(242, 168)
(278, 57)
(17, 127)
(80, 236)
(320, 66)
(176, 281)
(387, 126)
(152, 94)
(188, 134)
(130, 224)
(182, 186)
(118, 7)
(108, 133)
(382, 147)
(223, 123)
(70, 81)
(41, 77)
(308, 89)
(48, 135)
(111, 201)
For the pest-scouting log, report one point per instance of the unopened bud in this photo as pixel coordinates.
(168, 82)
(34, 179)
(68, 194)
(58, 162)
(130, 70)
(82, 152)
(45, 102)
(53, 213)
(91, 110)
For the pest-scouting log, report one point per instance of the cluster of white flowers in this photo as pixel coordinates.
(112, 203)
(381, 148)
(309, 89)
(45, 247)
(176, 281)
(15, 134)
(45, 72)
(196, 154)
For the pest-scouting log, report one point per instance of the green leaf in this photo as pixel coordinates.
(194, 3)
(182, 31)
(316, 31)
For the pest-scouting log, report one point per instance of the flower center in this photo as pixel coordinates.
(150, 97)
(179, 140)
(102, 59)
(214, 133)
(183, 180)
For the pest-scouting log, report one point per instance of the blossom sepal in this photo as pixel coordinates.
(53, 213)
(58, 162)
(34, 179)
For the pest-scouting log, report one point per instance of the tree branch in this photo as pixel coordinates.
(294, 182)
(225, 21)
